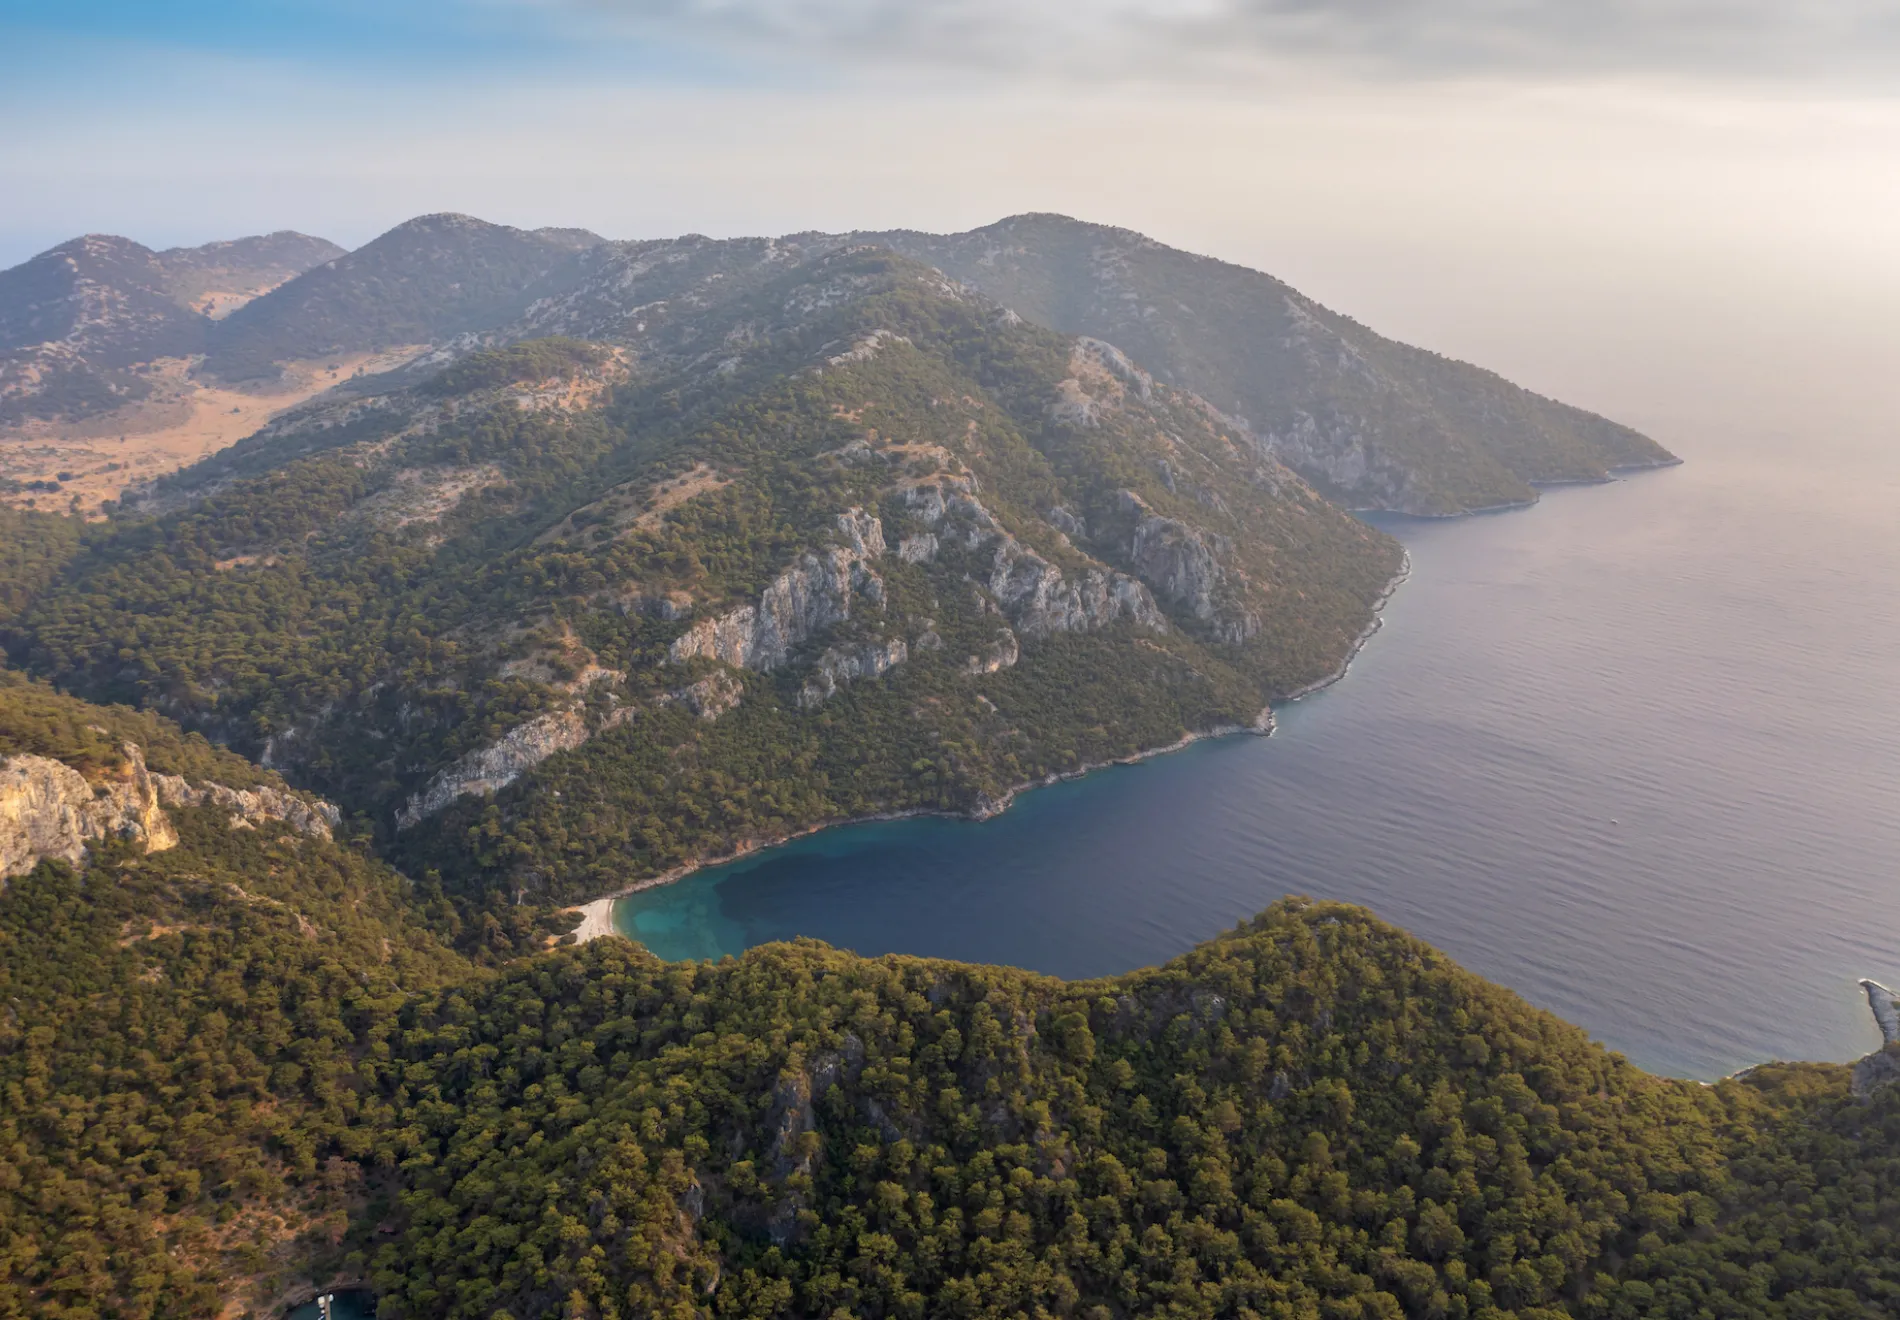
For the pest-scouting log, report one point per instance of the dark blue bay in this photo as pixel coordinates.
(1634, 753)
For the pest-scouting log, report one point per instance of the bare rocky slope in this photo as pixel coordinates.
(74, 777)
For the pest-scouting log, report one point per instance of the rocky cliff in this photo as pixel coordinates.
(1882, 1066)
(48, 809)
(492, 768)
(813, 594)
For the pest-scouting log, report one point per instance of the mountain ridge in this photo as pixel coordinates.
(1336, 398)
(1372, 422)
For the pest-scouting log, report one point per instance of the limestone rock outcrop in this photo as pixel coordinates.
(488, 770)
(813, 594)
(847, 664)
(1882, 1067)
(1183, 564)
(1035, 595)
(1336, 451)
(1039, 599)
(251, 805)
(919, 549)
(49, 809)
(710, 697)
(491, 769)
(1100, 379)
(999, 654)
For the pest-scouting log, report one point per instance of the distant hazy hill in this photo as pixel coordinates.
(420, 283)
(1370, 421)
(216, 277)
(106, 298)
(75, 319)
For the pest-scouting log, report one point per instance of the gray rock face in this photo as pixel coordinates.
(492, 768)
(710, 697)
(1000, 654)
(1100, 378)
(1336, 452)
(863, 532)
(920, 549)
(814, 594)
(251, 805)
(48, 809)
(1067, 521)
(952, 501)
(1178, 562)
(841, 665)
(1034, 594)
(1882, 1067)
(1182, 563)
(1040, 600)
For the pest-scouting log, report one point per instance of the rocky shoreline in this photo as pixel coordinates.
(597, 914)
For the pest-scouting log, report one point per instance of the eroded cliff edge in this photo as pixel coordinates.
(49, 809)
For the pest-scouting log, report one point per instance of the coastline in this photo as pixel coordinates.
(1359, 644)
(1538, 486)
(597, 918)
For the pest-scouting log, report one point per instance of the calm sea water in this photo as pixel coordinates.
(1634, 753)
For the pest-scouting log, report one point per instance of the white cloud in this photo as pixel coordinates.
(1830, 40)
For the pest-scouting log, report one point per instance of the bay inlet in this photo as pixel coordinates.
(1634, 752)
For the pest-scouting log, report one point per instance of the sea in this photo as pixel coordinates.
(1633, 752)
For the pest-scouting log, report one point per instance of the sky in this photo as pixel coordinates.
(1681, 212)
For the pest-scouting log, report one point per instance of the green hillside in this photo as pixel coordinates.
(256, 1062)
(889, 548)
(1373, 423)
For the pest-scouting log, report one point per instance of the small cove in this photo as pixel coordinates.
(1634, 752)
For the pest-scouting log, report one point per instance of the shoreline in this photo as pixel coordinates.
(1538, 487)
(597, 914)
(1359, 644)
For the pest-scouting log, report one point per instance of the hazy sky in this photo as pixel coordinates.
(1685, 212)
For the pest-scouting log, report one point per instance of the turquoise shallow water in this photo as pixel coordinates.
(1634, 753)
(353, 1305)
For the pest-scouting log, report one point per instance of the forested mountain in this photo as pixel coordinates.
(667, 548)
(241, 1062)
(664, 549)
(1371, 422)
(850, 539)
